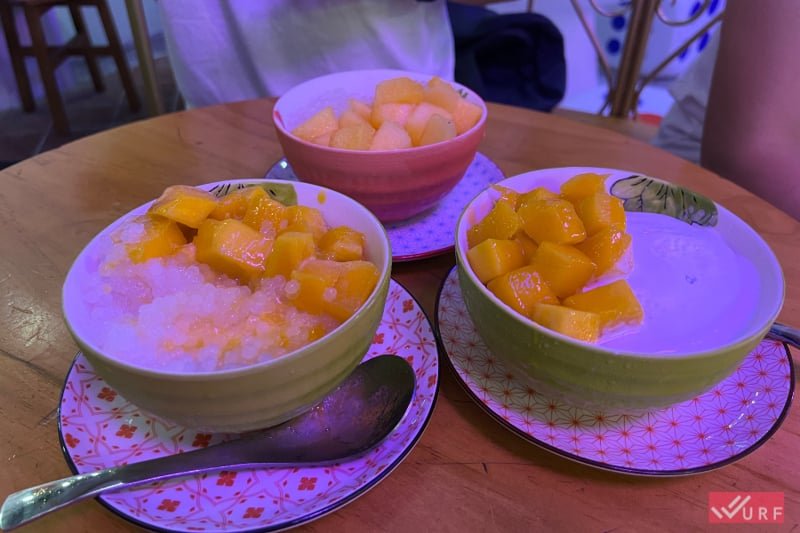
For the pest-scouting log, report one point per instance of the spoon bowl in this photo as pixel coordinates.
(355, 417)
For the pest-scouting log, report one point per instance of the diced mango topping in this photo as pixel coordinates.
(502, 222)
(582, 185)
(248, 235)
(290, 249)
(495, 257)
(614, 303)
(342, 244)
(521, 289)
(605, 248)
(599, 211)
(565, 268)
(236, 204)
(162, 237)
(303, 219)
(552, 220)
(539, 250)
(265, 214)
(425, 113)
(508, 195)
(581, 325)
(233, 248)
(184, 204)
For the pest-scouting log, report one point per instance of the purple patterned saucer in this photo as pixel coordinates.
(712, 430)
(100, 429)
(433, 232)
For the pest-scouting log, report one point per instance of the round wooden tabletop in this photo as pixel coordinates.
(467, 472)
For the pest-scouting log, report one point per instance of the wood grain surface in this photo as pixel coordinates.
(467, 473)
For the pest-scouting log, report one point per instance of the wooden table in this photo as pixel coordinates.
(467, 473)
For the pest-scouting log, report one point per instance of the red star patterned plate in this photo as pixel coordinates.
(100, 429)
(430, 233)
(710, 431)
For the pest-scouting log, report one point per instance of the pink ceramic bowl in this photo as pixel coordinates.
(393, 184)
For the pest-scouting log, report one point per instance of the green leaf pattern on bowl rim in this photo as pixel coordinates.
(644, 194)
(282, 192)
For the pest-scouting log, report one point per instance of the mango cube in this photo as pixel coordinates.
(599, 211)
(356, 137)
(605, 248)
(438, 129)
(614, 303)
(336, 288)
(495, 257)
(501, 222)
(233, 248)
(539, 193)
(565, 269)
(342, 244)
(160, 237)
(390, 136)
(236, 203)
(322, 122)
(579, 325)
(508, 195)
(186, 205)
(582, 185)
(289, 250)
(355, 283)
(552, 220)
(521, 289)
(305, 219)
(419, 117)
(401, 90)
(264, 214)
(529, 246)
(313, 284)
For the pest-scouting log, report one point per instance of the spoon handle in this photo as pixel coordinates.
(787, 334)
(28, 504)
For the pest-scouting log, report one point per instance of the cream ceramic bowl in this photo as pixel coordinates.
(256, 396)
(709, 294)
(394, 184)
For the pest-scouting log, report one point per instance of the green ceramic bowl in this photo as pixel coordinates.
(709, 285)
(255, 396)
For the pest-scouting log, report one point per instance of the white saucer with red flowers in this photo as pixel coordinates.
(433, 232)
(100, 429)
(712, 430)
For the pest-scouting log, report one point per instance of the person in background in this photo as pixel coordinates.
(751, 133)
(681, 130)
(224, 51)
(736, 109)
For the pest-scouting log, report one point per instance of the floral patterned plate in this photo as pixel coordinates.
(433, 232)
(710, 431)
(99, 429)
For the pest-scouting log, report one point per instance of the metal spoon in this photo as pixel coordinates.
(784, 333)
(356, 416)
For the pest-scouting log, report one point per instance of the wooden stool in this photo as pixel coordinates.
(49, 57)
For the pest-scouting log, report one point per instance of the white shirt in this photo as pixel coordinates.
(223, 51)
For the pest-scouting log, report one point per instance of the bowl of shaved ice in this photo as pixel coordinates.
(230, 306)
